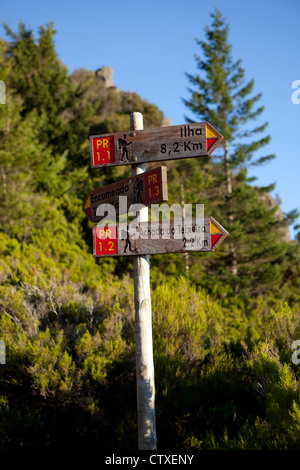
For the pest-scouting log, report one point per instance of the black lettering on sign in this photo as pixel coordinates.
(197, 146)
(185, 131)
(163, 148)
(186, 146)
(176, 145)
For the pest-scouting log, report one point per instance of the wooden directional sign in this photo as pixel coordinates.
(147, 188)
(168, 237)
(152, 145)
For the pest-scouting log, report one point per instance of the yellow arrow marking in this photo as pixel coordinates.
(210, 133)
(88, 202)
(214, 228)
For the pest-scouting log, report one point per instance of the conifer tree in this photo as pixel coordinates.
(253, 253)
(45, 87)
(42, 81)
(37, 78)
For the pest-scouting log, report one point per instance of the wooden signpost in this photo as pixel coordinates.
(145, 188)
(138, 147)
(152, 145)
(145, 383)
(146, 238)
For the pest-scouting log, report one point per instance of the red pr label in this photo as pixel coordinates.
(106, 241)
(153, 185)
(103, 150)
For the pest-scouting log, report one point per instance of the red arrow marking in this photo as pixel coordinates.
(210, 143)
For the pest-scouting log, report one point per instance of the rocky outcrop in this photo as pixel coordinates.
(166, 122)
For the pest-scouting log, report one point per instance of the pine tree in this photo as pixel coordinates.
(45, 87)
(251, 257)
(42, 81)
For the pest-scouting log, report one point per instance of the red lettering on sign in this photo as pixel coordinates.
(106, 241)
(153, 185)
(103, 150)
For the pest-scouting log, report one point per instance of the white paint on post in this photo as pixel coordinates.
(143, 330)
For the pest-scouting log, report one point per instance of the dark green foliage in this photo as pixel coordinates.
(44, 84)
(223, 379)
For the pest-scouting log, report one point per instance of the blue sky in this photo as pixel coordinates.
(150, 46)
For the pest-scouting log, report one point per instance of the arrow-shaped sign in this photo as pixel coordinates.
(163, 237)
(146, 188)
(152, 145)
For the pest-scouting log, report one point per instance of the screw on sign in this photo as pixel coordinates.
(152, 145)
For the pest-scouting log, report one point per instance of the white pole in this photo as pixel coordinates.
(143, 330)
